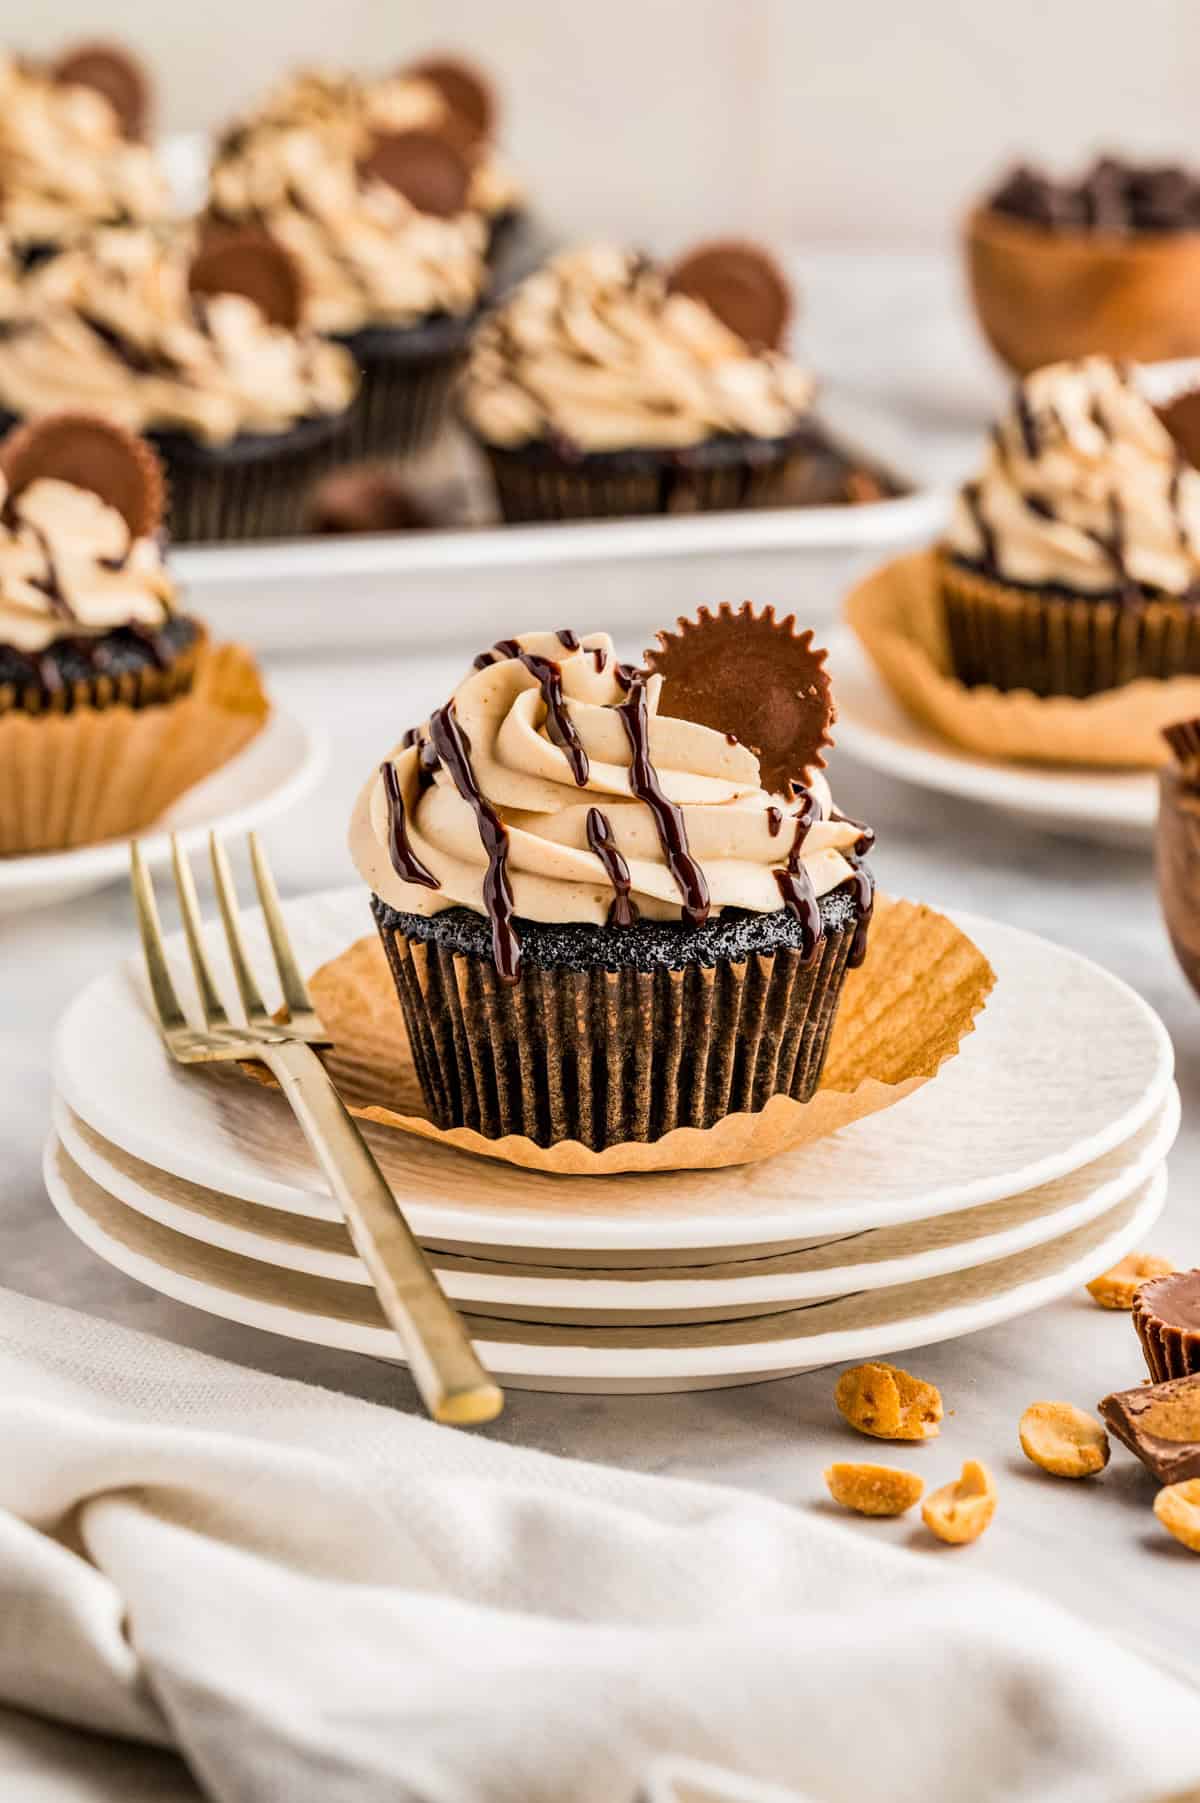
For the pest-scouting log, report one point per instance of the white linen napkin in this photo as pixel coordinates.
(312, 1597)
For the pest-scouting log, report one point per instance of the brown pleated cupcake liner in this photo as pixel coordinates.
(234, 500)
(401, 405)
(603, 1057)
(96, 772)
(900, 615)
(532, 489)
(1168, 1351)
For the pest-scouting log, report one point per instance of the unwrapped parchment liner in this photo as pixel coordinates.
(100, 773)
(896, 614)
(901, 1016)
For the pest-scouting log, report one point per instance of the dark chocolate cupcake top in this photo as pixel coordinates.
(599, 352)
(554, 787)
(116, 322)
(1084, 488)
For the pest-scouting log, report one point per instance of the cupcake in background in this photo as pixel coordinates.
(605, 915)
(112, 700)
(1072, 564)
(392, 259)
(203, 351)
(606, 385)
(71, 159)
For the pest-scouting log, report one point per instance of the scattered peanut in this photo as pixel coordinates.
(1178, 1508)
(960, 1511)
(888, 1404)
(874, 1489)
(1063, 1440)
(1117, 1288)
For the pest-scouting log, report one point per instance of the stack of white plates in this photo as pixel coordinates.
(1031, 1163)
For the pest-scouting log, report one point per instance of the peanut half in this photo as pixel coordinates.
(874, 1489)
(1117, 1288)
(960, 1511)
(1063, 1440)
(888, 1404)
(1178, 1508)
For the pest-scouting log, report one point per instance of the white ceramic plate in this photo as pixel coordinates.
(625, 1358)
(1119, 807)
(1065, 1064)
(867, 1261)
(271, 775)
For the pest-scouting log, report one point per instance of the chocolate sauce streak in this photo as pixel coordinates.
(626, 675)
(774, 820)
(1112, 542)
(795, 884)
(668, 817)
(142, 362)
(561, 728)
(405, 862)
(862, 885)
(452, 746)
(50, 585)
(483, 660)
(866, 834)
(1027, 424)
(567, 639)
(599, 658)
(410, 738)
(973, 501)
(623, 912)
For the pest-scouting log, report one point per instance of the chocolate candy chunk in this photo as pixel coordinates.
(432, 173)
(1113, 196)
(742, 285)
(468, 95)
(1160, 1424)
(1166, 1314)
(114, 73)
(90, 453)
(253, 264)
(367, 497)
(756, 677)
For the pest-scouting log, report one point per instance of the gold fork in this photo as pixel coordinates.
(453, 1384)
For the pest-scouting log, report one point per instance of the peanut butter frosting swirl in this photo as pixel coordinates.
(64, 165)
(594, 349)
(110, 326)
(1083, 487)
(367, 256)
(69, 569)
(551, 789)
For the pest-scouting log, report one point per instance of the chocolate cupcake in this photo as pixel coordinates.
(607, 386)
(101, 673)
(71, 159)
(601, 923)
(1072, 565)
(200, 350)
(1166, 1314)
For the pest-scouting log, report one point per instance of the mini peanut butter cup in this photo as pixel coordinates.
(114, 72)
(741, 284)
(90, 453)
(432, 173)
(253, 264)
(1166, 1314)
(754, 676)
(468, 95)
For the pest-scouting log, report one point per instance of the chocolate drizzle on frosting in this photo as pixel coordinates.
(559, 725)
(795, 884)
(623, 912)
(405, 862)
(668, 816)
(453, 749)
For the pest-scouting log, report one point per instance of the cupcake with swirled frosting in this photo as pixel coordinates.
(601, 921)
(608, 385)
(200, 349)
(1072, 563)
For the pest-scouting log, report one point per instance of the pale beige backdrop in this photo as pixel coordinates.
(835, 120)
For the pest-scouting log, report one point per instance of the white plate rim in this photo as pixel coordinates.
(598, 1362)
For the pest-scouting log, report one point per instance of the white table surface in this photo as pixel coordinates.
(1095, 1547)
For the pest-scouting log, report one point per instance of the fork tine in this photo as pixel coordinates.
(252, 1002)
(211, 1004)
(295, 991)
(162, 989)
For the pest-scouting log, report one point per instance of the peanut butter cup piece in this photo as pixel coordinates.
(253, 264)
(756, 677)
(114, 72)
(432, 173)
(468, 95)
(742, 285)
(1166, 1314)
(92, 453)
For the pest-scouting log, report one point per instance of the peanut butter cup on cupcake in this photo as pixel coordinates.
(1072, 563)
(601, 923)
(608, 385)
(112, 701)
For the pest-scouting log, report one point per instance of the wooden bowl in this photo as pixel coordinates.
(1043, 296)
(1177, 858)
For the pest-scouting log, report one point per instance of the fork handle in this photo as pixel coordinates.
(453, 1384)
